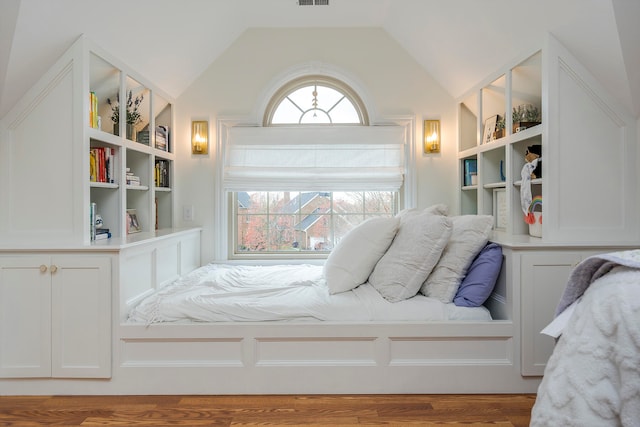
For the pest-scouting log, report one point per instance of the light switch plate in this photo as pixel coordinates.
(187, 213)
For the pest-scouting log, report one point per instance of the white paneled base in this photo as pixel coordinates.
(235, 358)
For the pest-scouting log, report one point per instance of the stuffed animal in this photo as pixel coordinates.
(534, 152)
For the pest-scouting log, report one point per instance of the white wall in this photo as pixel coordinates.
(236, 84)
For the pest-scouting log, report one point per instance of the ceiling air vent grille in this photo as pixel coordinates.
(313, 2)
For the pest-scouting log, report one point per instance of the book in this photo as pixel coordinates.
(93, 110)
(93, 168)
(102, 236)
(111, 176)
(470, 168)
(161, 173)
(162, 137)
(92, 221)
(102, 164)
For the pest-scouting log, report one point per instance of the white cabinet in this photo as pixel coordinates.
(543, 278)
(55, 316)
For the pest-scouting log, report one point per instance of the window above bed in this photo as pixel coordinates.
(314, 170)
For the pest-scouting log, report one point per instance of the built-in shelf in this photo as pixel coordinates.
(501, 184)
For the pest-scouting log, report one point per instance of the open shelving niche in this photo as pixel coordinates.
(588, 146)
(136, 149)
(500, 156)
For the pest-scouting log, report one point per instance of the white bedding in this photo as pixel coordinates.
(593, 376)
(223, 293)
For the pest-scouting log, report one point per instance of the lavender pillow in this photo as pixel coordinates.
(477, 285)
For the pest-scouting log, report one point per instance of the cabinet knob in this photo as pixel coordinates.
(43, 268)
(53, 268)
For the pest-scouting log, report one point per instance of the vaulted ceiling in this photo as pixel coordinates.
(458, 42)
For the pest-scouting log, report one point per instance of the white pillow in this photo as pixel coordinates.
(411, 257)
(350, 263)
(470, 234)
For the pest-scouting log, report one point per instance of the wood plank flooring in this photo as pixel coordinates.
(302, 410)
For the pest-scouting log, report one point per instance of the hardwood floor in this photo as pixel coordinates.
(305, 410)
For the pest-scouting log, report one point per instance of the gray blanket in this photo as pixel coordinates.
(590, 270)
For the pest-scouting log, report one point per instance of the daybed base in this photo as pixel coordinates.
(277, 358)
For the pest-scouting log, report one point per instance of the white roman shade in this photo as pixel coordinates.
(331, 158)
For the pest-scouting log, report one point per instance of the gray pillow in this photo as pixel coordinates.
(470, 234)
(414, 252)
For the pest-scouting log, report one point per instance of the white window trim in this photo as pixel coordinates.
(222, 221)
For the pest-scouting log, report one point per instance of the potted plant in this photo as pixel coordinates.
(133, 115)
(525, 116)
(500, 124)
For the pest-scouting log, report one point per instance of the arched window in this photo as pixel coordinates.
(315, 100)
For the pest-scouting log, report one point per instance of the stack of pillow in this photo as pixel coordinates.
(448, 258)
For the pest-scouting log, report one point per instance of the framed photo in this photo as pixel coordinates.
(133, 226)
(500, 208)
(489, 129)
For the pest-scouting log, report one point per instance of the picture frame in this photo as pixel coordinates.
(500, 209)
(133, 225)
(489, 129)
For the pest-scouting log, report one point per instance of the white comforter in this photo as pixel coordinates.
(219, 292)
(593, 376)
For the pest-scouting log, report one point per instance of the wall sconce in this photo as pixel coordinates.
(199, 137)
(431, 136)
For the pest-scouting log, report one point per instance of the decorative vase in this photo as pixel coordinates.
(129, 130)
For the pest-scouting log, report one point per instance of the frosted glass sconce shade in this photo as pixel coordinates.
(432, 136)
(199, 137)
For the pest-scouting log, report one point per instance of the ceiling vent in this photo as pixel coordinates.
(313, 2)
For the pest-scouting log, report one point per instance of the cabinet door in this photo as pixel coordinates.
(81, 313)
(544, 277)
(25, 317)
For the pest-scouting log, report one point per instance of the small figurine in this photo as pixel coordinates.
(534, 152)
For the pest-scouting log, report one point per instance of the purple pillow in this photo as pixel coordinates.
(477, 285)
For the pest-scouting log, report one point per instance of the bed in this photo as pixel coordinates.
(593, 376)
(363, 322)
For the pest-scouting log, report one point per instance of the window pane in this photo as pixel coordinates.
(350, 202)
(327, 97)
(286, 112)
(288, 202)
(257, 202)
(344, 112)
(315, 117)
(314, 202)
(379, 201)
(302, 97)
(282, 233)
(252, 233)
(318, 232)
